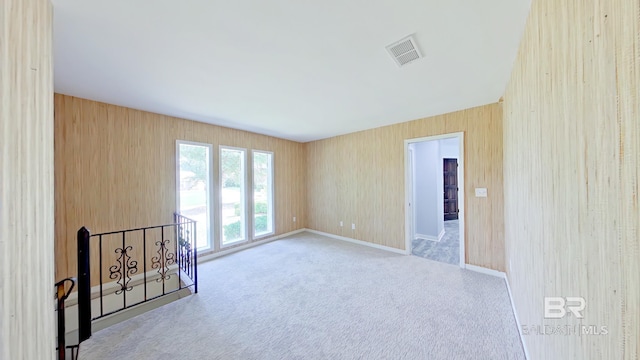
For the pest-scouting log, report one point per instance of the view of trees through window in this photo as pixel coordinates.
(262, 193)
(194, 197)
(232, 195)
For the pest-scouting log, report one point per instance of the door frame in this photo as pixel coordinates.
(412, 225)
(408, 191)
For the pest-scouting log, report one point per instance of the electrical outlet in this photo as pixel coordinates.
(353, 226)
(294, 219)
(481, 192)
(341, 224)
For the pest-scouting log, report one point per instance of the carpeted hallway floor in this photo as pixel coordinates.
(311, 297)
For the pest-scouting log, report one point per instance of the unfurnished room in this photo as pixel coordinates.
(282, 179)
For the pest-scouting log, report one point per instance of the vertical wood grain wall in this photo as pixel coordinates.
(115, 169)
(571, 157)
(26, 182)
(359, 178)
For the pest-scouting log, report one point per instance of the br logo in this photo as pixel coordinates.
(557, 307)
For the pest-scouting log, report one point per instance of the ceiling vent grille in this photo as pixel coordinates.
(404, 51)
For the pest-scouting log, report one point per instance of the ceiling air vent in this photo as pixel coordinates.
(404, 51)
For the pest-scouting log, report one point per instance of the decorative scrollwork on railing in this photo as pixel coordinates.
(184, 241)
(163, 260)
(123, 270)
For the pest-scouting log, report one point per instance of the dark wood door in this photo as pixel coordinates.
(450, 171)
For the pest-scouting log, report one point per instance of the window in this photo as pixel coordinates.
(194, 188)
(262, 193)
(242, 216)
(232, 195)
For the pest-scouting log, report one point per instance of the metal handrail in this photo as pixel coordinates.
(183, 254)
(61, 296)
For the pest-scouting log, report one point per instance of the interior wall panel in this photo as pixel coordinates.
(115, 169)
(571, 156)
(359, 178)
(27, 328)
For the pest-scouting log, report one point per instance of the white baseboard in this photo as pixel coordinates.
(359, 242)
(427, 237)
(503, 275)
(515, 315)
(430, 237)
(211, 256)
(483, 270)
(125, 314)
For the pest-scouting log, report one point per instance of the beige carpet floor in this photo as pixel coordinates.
(311, 297)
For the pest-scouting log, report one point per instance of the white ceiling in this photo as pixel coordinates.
(297, 69)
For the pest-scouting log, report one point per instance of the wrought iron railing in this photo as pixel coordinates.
(127, 262)
(135, 266)
(188, 253)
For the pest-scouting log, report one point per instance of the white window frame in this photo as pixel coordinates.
(243, 197)
(270, 195)
(210, 185)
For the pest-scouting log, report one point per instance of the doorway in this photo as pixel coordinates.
(434, 204)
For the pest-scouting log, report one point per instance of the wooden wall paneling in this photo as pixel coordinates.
(359, 178)
(27, 329)
(115, 169)
(485, 228)
(365, 202)
(571, 155)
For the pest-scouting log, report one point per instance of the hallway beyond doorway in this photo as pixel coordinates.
(446, 250)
